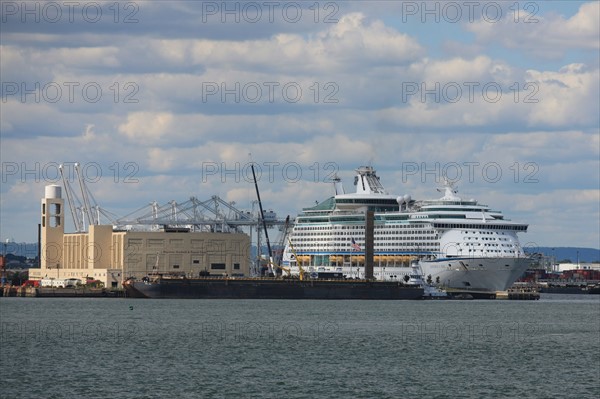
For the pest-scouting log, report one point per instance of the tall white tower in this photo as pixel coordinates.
(53, 228)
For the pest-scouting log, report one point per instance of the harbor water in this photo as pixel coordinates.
(141, 348)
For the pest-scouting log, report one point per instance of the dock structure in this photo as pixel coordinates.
(481, 294)
(523, 295)
(52, 292)
(177, 238)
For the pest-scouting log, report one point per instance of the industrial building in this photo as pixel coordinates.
(111, 256)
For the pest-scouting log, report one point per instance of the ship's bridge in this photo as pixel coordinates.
(367, 181)
(370, 194)
(377, 203)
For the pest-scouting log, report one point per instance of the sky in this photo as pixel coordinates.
(162, 101)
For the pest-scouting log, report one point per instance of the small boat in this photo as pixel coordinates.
(430, 291)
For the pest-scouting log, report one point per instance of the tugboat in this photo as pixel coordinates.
(430, 291)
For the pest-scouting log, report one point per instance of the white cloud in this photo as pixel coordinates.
(343, 46)
(458, 69)
(165, 141)
(547, 36)
(573, 213)
(142, 126)
(569, 96)
(495, 95)
(547, 147)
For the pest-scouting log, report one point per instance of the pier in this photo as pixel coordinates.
(51, 292)
(522, 295)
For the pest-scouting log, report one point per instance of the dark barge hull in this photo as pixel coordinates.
(568, 290)
(270, 289)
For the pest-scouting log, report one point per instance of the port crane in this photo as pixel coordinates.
(280, 245)
(264, 223)
(300, 268)
(211, 215)
(71, 199)
(87, 206)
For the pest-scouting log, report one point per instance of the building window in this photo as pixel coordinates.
(236, 266)
(176, 243)
(217, 266)
(155, 243)
(196, 262)
(175, 266)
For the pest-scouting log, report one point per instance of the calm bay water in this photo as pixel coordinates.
(128, 348)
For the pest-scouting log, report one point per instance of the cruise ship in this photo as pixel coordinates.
(459, 244)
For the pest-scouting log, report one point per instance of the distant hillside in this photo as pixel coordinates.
(28, 250)
(569, 253)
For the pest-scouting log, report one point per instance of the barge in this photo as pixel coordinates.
(268, 288)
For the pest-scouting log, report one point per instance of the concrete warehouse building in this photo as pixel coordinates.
(113, 256)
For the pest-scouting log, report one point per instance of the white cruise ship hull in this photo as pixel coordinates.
(478, 274)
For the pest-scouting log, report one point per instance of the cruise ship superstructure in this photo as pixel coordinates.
(460, 244)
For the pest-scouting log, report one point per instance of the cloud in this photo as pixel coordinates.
(545, 146)
(548, 36)
(149, 126)
(178, 139)
(343, 46)
(569, 96)
(546, 215)
(497, 95)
